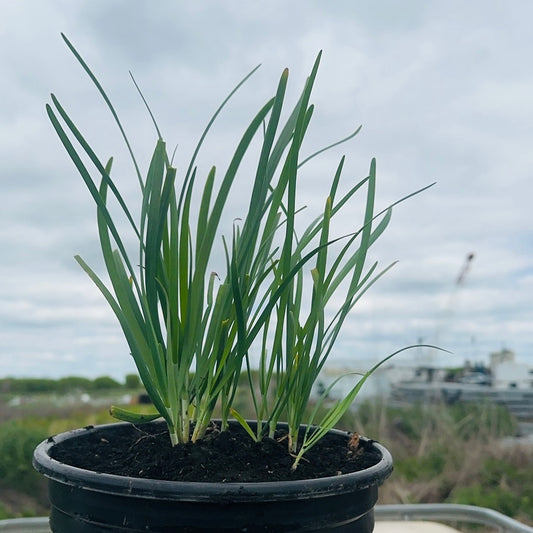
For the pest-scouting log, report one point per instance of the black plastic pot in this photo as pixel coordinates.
(83, 501)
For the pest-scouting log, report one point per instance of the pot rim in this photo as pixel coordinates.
(204, 491)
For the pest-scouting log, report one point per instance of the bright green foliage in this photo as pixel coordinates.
(17, 443)
(106, 383)
(505, 486)
(132, 382)
(426, 467)
(60, 386)
(191, 331)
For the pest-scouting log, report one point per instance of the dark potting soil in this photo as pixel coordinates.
(221, 456)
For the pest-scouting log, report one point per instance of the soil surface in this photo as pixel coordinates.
(221, 456)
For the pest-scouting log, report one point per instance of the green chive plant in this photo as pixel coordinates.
(191, 332)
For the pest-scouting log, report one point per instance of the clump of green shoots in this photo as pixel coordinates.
(191, 331)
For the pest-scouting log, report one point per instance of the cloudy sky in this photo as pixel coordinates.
(444, 91)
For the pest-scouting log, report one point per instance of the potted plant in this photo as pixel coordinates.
(267, 313)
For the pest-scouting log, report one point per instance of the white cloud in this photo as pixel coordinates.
(441, 90)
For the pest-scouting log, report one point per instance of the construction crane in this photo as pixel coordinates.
(464, 271)
(450, 306)
(445, 316)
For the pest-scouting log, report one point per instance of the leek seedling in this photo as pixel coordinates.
(190, 331)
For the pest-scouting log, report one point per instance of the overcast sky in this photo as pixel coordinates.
(444, 91)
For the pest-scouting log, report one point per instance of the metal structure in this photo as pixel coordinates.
(447, 512)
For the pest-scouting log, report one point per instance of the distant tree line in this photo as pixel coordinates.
(66, 384)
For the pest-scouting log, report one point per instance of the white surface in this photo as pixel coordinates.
(411, 527)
